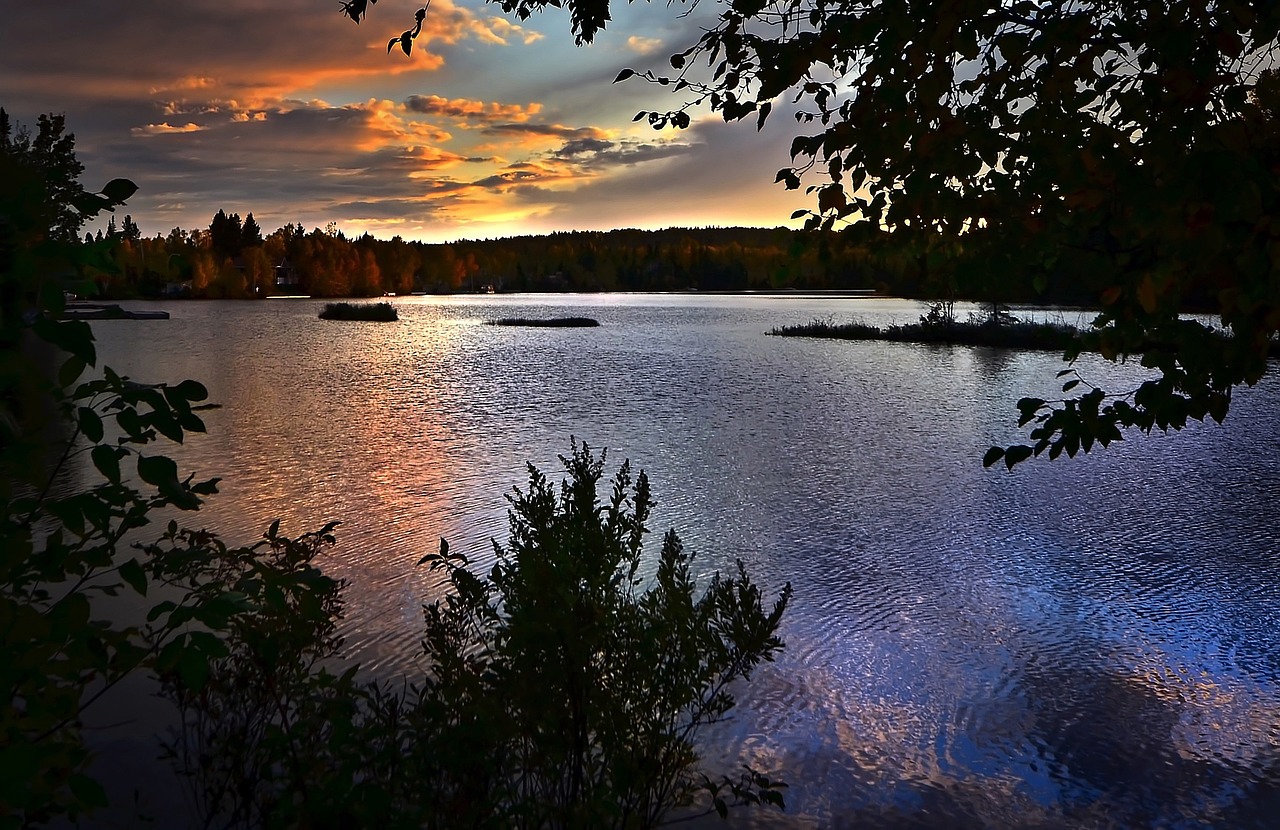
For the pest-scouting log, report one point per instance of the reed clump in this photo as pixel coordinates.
(1009, 335)
(377, 312)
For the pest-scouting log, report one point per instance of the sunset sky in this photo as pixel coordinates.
(288, 110)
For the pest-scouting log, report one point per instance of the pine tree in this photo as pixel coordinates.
(250, 234)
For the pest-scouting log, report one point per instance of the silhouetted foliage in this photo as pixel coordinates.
(41, 177)
(581, 688)
(225, 234)
(563, 689)
(63, 549)
(250, 233)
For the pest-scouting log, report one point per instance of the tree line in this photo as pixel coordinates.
(233, 259)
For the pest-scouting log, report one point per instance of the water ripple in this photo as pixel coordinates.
(1077, 645)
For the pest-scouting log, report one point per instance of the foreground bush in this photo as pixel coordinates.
(78, 476)
(583, 683)
(564, 689)
(63, 556)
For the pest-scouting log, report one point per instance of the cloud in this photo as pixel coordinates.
(534, 135)
(505, 31)
(189, 82)
(448, 23)
(596, 154)
(470, 110)
(166, 129)
(643, 45)
(584, 146)
(288, 110)
(386, 210)
(234, 49)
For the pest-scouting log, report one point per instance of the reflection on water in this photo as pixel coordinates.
(1084, 644)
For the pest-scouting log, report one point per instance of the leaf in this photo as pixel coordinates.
(71, 369)
(993, 455)
(1016, 454)
(107, 461)
(158, 470)
(72, 336)
(132, 573)
(119, 190)
(765, 109)
(90, 423)
(624, 74)
(796, 214)
(1218, 406)
(160, 610)
(1028, 407)
(831, 198)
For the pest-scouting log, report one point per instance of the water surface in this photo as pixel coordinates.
(1088, 643)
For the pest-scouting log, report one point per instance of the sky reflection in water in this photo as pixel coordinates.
(1090, 643)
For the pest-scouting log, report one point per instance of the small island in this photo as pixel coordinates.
(106, 311)
(999, 331)
(377, 312)
(547, 322)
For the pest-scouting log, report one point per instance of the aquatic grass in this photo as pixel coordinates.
(1015, 335)
(377, 312)
(547, 322)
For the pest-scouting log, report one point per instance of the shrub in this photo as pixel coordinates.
(579, 690)
(560, 691)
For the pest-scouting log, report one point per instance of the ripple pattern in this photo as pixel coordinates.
(1082, 644)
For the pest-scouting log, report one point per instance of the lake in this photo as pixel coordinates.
(1085, 643)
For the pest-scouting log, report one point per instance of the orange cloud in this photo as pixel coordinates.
(385, 127)
(470, 110)
(449, 23)
(188, 82)
(504, 31)
(165, 128)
